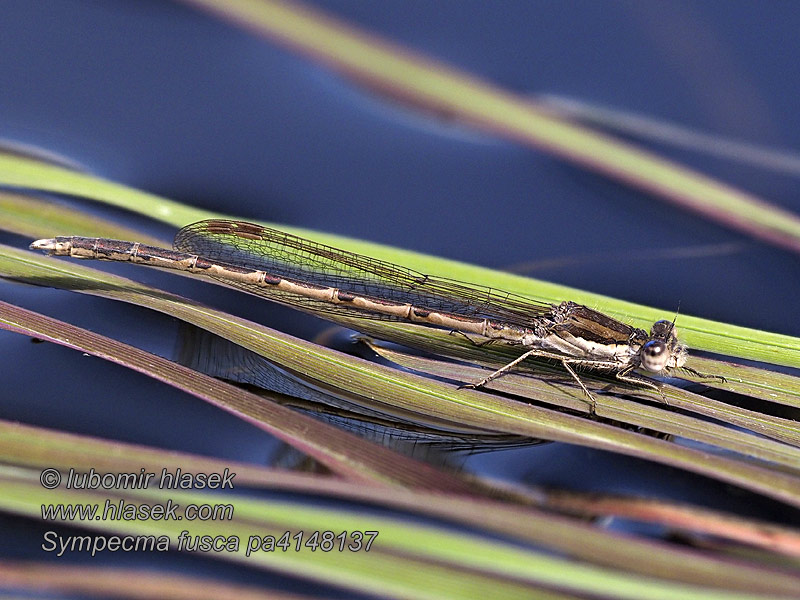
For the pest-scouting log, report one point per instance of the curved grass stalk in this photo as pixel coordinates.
(424, 82)
(405, 559)
(701, 334)
(408, 392)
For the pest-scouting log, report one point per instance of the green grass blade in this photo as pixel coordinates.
(31, 446)
(35, 218)
(406, 560)
(35, 447)
(24, 172)
(701, 334)
(339, 450)
(653, 129)
(655, 418)
(404, 391)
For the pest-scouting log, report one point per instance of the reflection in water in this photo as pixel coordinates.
(411, 434)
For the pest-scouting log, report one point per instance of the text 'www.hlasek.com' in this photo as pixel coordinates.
(147, 511)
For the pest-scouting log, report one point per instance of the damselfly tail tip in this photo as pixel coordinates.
(48, 245)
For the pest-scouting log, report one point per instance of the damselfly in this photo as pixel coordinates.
(327, 281)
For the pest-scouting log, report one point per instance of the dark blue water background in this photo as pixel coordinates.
(172, 101)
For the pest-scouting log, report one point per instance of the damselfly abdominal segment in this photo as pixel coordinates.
(326, 281)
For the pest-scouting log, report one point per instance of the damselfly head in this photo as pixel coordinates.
(662, 351)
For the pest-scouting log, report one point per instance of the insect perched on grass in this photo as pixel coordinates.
(327, 281)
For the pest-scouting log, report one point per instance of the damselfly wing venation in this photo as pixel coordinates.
(328, 281)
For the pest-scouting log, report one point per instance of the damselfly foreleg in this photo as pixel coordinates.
(703, 375)
(628, 376)
(565, 361)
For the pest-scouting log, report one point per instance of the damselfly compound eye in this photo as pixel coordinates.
(655, 356)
